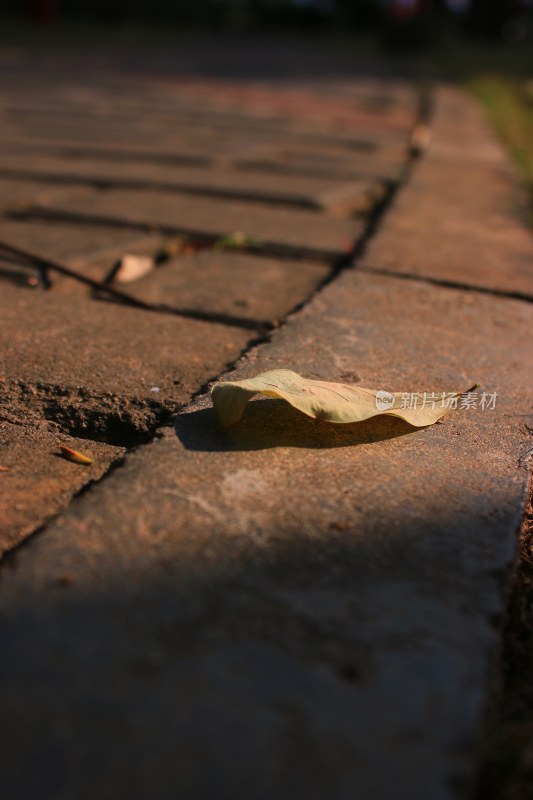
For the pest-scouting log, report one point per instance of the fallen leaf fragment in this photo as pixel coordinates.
(330, 402)
(4, 469)
(73, 455)
(132, 267)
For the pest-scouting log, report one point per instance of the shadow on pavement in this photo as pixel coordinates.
(273, 423)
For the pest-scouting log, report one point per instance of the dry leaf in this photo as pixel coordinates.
(330, 402)
(4, 469)
(73, 455)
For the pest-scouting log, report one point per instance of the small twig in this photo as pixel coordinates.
(46, 264)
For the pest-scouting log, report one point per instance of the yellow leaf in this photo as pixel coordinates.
(73, 455)
(330, 402)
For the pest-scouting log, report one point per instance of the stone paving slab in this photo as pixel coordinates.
(30, 120)
(462, 132)
(299, 110)
(231, 283)
(14, 193)
(105, 137)
(442, 232)
(363, 168)
(308, 112)
(236, 105)
(95, 364)
(297, 599)
(291, 227)
(64, 147)
(363, 130)
(272, 103)
(313, 162)
(253, 157)
(105, 132)
(458, 220)
(40, 483)
(275, 189)
(188, 127)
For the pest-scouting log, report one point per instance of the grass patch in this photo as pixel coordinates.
(509, 105)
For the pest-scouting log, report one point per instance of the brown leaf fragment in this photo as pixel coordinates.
(73, 455)
(4, 469)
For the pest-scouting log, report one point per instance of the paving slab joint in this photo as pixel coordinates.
(259, 197)
(9, 555)
(200, 238)
(450, 284)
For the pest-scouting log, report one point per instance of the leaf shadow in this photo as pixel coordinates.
(273, 423)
